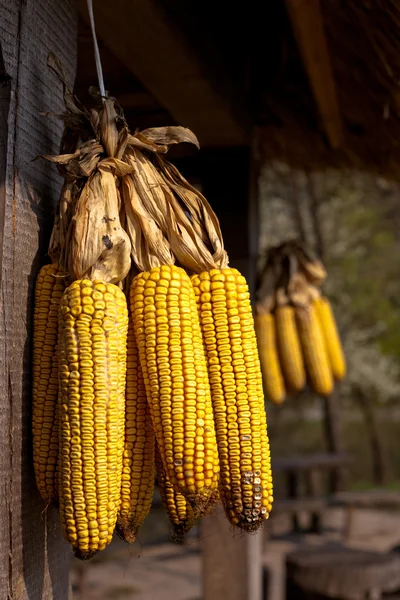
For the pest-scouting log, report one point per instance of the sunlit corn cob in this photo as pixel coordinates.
(236, 386)
(93, 322)
(331, 336)
(49, 288)
(138, 463)
(172, 358)
(268, 352)
(291, 358)
(314, 351)
(180, 513)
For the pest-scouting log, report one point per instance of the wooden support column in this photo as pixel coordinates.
(34, 559)
(231, 559)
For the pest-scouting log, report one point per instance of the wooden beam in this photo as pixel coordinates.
(308, 27)
(142, 37)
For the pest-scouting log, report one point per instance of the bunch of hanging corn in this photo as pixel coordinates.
(296, 329)
(184, 377)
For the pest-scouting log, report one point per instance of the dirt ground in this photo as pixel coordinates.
(166, 571)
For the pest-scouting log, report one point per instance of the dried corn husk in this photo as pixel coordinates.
(149, 246)
(97, 245)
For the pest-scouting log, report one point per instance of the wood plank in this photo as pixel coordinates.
(5, 96)
(296, 505)
(376, 498)
(34, 560)
(142, 37)
(308, 28)
(310, 461)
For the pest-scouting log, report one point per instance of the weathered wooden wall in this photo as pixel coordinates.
(34, 560)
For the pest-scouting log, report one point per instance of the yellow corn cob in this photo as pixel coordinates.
(289, 348)
(236, 386)
(138, 464)
(178, 509)
(314, 351)
(331, 336)
(172, 358)
(268, 352)
(49, 288)
(93, 322)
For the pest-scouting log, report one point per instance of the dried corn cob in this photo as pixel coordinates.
(50, 285)
(178, 509)
(291, 358)
(268, 352)
(331, 336)
(138, 463)
(314, 350)
(93, 323)
(228, 331)
(174, 368)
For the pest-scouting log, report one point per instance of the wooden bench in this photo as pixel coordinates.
(375, 499)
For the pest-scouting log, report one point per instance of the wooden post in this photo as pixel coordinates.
(231, 559)
(34, 560)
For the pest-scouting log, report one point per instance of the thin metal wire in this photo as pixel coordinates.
(96, 51)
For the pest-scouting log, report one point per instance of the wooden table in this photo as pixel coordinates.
(341, 573)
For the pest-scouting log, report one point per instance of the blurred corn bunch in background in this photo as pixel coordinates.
(297, 336)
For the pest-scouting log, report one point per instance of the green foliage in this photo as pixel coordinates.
(364, 267)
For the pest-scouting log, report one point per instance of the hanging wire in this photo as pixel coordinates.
(96, 51)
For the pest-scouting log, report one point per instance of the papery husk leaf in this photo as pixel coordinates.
(188, 247)
(298, 290)
(150, 248)
(311, 266)
(82, 162)
(147, 182)
(95, 121)
(281, 297)
(167, 136)
(108, 128)
(77, 122)
(70, 99)
(66, 203)
(199, 210)
(159, 139)
(60, 159)
(122, 143)
(314, 292)
(142, 144)
(267, 306)
(97, 245)
(119, 167)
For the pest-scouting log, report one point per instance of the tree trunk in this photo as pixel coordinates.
(34, 560)
(379, 461)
